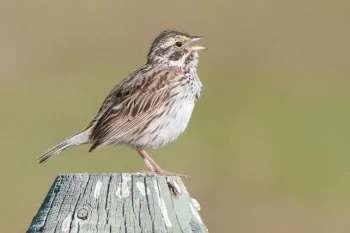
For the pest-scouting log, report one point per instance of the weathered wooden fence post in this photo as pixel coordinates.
(117, 203)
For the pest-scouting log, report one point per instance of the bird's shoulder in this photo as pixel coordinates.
(139, 85)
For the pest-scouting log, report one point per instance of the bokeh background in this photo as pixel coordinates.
(268, 146)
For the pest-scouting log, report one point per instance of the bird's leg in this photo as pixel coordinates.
(153, 166)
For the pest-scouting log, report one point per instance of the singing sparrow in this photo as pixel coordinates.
(151, 106)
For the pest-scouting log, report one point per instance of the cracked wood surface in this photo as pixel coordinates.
(117, 203)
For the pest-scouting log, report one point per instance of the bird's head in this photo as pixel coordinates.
(175, 49)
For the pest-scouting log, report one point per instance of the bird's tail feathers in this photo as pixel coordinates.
(75, 140)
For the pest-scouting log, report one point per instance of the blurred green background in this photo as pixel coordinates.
(268, 144)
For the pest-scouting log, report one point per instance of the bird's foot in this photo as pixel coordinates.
(161, 172)
(154, 167)
(166, 173)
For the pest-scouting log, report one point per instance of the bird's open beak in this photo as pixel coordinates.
(196, 48)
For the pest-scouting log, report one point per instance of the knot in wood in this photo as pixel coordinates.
(83, 214)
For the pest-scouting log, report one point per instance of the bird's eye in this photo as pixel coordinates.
(178, 44)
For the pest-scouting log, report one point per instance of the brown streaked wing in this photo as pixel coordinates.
(147, 93)
(119, 93)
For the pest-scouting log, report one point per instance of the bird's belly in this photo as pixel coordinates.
(167, 127)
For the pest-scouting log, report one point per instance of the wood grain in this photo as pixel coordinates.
(117, 203)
